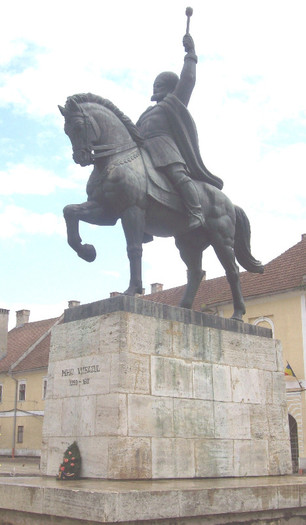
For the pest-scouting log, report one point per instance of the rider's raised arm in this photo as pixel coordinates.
(187, 79)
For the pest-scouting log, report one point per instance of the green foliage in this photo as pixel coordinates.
(71, 465)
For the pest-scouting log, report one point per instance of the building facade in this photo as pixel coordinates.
(23, 382)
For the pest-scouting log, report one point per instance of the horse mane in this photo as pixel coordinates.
(81, 98)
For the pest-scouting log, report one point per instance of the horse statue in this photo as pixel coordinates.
(124, 185)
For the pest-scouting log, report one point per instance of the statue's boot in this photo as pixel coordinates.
(189, 194)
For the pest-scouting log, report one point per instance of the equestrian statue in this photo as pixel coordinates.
(152, 177)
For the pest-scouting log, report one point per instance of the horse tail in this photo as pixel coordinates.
(242, 243)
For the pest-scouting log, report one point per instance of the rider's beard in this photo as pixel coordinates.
(157, 97)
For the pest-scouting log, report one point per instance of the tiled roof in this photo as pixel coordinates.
(21, 339)
(286, 272)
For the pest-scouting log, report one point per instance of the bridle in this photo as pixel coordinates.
(103, 150)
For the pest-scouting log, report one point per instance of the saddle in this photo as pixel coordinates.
(159, 188)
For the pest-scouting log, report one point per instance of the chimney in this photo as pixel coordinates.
(73, 304)
(4, 317)
(204, 276)
(156, 287)
(22, 317)
(303, 236)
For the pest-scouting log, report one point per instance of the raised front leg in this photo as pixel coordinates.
(89, 212)
(133, 223)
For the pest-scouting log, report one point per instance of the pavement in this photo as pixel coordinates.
(19, 466)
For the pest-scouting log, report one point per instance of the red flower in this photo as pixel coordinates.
(73, 459)
(65, 460)
(62, 468)
(72, 464)
(70, 452)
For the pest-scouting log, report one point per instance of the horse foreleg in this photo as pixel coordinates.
(133, 222)
(89, 212)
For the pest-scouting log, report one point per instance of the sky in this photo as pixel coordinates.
(249, 105)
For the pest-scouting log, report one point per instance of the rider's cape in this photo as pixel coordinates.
(186, 137)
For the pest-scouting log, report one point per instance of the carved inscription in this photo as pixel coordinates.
(80, 371)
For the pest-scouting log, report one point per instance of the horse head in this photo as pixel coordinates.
(82, 130)
(96, 127)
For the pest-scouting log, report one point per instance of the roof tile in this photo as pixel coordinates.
(21, 338)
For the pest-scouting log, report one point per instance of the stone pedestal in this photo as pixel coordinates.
(152, 391)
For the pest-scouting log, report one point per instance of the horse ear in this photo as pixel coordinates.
(73, 105)
(62, 110)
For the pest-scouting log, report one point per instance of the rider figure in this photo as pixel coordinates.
(166, 131)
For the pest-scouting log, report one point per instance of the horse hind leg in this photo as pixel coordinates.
(191, 254)
(225, 253)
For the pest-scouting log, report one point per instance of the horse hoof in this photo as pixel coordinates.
(237, 318)
(87, 252)
(132, 291)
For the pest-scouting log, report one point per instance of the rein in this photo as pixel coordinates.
(107, 150)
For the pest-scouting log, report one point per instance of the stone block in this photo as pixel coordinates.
(173, 458)
(130, 373)
(232, 420)
(222, 383)
(80, 376)
(202, 381)
(261, 355)
(279, 457)
(201, 343)
(130, 458)
(259, 422)
(245, 385)
(153, 338)
(94, 454)
(193, 418)
(229, 348)
(78, 416)
(113, 332)
(251, 457)
(160, 504)
(288, 496)
(53, 418)
(171, 377)
(266, 387)
(279, 389)
(111, 415)
(150, 416)
(278, 421)
(214, 457)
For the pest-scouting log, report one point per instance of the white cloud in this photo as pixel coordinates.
(16, 221)
(31, 180)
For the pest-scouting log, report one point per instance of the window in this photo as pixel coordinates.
(21, 391)
(20, 434)
(45, 384)
(1, 393)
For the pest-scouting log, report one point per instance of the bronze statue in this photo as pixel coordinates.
(151, 176)
(170, 134)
